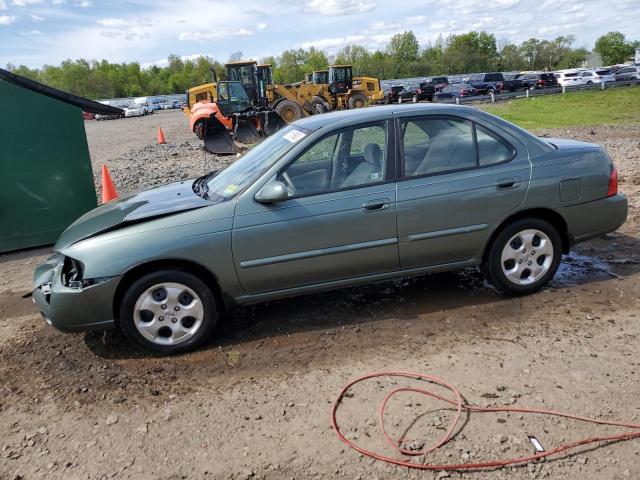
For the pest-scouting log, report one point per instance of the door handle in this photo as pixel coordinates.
(506, 183)
(378, 204)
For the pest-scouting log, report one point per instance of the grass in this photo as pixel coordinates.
(616, 106)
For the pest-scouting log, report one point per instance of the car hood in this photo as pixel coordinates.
(154, 203)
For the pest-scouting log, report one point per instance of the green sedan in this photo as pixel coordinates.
(329, 201)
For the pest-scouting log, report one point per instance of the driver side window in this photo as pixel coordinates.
(344, 159)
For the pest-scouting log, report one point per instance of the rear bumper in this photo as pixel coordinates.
(592, 219)
(74, 309)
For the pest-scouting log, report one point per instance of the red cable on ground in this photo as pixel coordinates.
(460, 407)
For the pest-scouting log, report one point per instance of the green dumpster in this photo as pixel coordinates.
(47, 179)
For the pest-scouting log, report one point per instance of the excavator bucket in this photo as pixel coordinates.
(271, 122)
(244, 130)
(219, 142)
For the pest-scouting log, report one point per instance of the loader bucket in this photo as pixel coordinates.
(271, 122)
(245, 131)
(219, 142)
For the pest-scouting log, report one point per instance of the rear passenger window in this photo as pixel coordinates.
(433, 145)
(490, 149)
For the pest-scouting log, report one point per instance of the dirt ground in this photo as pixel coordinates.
(254, 403)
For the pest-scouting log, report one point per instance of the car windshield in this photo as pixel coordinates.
(397, 89)
(236, 177)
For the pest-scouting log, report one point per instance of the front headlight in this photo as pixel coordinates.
(72, 272)
(73, 275)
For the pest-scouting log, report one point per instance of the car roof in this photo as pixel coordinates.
(380, 112)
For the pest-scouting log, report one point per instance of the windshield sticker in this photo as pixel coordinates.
(294, 136)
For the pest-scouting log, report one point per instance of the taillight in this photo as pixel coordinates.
(419, 90)
(463, 92)
(613, 182)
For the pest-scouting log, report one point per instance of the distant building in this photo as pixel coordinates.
(637, 57)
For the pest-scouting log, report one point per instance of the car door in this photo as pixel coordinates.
(468, 179)
(339, 221)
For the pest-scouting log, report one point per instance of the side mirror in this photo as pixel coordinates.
(272, 192)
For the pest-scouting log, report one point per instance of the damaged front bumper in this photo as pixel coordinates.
(83, 306)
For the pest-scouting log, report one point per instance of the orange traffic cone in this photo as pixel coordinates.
(108, 189)
(161, 140)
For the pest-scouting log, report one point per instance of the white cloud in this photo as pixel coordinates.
(7, 19)
(262, 26)
(115, 22)
(31, 33)
(24, 3)
(214, 34)
(84, 4)
(332, 44)
(58, 2)
(340, 7)
(381, 26)
(3, 5)
(36, 18)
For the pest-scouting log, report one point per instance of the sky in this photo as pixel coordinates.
(38, 32)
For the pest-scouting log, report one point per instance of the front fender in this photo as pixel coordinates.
(188, 236)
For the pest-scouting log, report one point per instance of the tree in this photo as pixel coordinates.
(355, 55)
(403, 48)
(235, 56)
(613, 48)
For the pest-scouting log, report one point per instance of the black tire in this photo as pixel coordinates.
(386, 101)
(493, 267)
(357, 100)
(199, 129)
(289, 111)
(319, 105)
(133, 293)
(414, 99)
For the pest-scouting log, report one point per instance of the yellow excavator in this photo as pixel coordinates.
(332, 89)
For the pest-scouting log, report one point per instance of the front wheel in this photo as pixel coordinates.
(524, 256)
(168, 312)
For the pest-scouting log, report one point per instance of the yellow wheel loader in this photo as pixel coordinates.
(328, 90)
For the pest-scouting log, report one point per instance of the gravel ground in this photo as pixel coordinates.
(254, 402)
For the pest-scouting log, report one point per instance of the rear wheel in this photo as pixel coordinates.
(524, 256)
(357, 100)
(414, 99)
(168, 311)
(289, 111)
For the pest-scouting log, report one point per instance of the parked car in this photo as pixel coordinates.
(438, 82)
(398, 94)
(424, 91)
(603, 75)
(530, 81)
(295, 216)
(568, 78)
(135, 111)
(486, 83)
(628, 73)
(455, 90)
